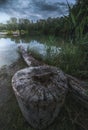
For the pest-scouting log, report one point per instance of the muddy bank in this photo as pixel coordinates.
(6, 73)
(10, 115)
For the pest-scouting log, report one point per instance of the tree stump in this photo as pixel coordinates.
(40, 92)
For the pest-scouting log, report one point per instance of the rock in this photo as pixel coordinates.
(40, 92)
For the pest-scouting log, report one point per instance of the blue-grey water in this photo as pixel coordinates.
(32, 10)
(9, 48)
(8, 53)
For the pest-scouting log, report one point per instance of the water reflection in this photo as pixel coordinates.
(9, 47)
(38, 47)
(43, 49)
(8, 52)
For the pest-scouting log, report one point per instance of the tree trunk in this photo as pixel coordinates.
(79, 90)
(41, 90)
(28, 58)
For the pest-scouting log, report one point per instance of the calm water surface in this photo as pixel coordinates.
(9, 48)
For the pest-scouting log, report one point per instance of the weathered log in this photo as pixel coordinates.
(28, 58)
(78, 90)
(40, 92)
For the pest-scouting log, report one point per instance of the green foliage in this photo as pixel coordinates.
(72, 59)
(78, 19)
(9, 32)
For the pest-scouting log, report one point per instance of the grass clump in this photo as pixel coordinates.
(71, 58)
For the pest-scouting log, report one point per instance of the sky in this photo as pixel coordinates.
(32, 9)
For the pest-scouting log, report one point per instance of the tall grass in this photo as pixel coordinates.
(72, 59)
(77, 21)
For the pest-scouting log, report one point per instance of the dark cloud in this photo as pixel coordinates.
(33, 9)
(47, 6)
(3, 2)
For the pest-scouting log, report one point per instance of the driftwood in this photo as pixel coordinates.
(41, 90)
(77, 88)
(28, 58)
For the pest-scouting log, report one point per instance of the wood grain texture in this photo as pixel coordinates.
(40, 92)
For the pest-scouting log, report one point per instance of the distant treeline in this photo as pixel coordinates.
(72, 26)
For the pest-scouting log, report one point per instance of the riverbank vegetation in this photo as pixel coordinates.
(72, 59)
(72, 28)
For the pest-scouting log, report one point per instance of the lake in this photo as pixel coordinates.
(42, 45)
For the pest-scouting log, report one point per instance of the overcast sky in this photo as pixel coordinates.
(32, 9)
